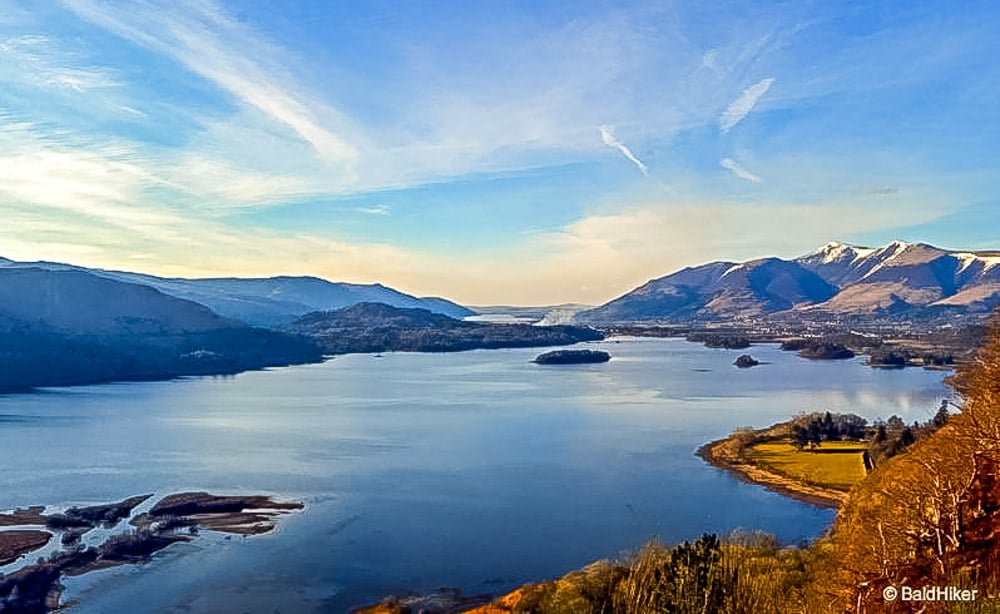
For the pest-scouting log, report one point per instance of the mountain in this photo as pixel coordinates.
(270, 301)
(904, 277)
(839, 263)
(273, 301)
(375, 327)
(719, 290)
(80, 303)
(899, 279)
(67, 327)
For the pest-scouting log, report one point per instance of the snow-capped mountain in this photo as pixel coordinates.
(837, 278)
(720, 290)
(902, 275)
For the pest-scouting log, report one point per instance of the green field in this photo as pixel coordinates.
(835, 464)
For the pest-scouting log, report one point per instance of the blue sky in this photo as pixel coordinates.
(491, 152)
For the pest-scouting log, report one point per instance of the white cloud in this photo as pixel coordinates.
(100, 181)
(38, 61)
(608, 136)
(739, 171)
(220, 49)
(741, 107)
(375, 210)
(220, 185)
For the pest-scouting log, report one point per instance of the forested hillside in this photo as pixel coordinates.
(927, 517)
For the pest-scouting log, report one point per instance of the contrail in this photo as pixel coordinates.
(608, 136)
(741, 107)
(739, 171)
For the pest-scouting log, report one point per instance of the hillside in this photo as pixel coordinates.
(66, 327)
(900, 280)
(269, 301)
(273, 301)
(80, 303)
(719, 291)
(374, 327)
(930, 516)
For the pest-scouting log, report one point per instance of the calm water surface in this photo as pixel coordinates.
(477, 470)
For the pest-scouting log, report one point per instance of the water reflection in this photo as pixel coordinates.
(478, 470)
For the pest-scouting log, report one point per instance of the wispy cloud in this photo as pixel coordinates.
(375, 210)
(741, 107)
(218, 48)
(608, 136)
(734, 167)
(28, 60)
(877, 190)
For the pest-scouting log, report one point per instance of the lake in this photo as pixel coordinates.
(477, 470)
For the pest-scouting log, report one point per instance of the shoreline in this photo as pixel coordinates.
(130, 533)
(818, 496)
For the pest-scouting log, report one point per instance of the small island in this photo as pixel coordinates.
(817, 349)
(719, 340)
(745, 361)
(572, 357)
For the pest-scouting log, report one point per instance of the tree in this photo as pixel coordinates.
(941, 417)
(931, 513)
(815, 434)
(830, 430)
(800, 437)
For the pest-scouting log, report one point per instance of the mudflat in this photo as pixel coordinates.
(15, 543)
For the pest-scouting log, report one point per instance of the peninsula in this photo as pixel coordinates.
(376, 327)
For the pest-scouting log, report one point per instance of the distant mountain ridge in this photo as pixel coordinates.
(76, 302)
(840, 279)
(269, 301)
(66, 326)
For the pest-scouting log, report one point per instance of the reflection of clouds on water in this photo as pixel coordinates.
(915, 404)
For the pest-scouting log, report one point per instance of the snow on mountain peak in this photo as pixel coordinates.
(735, 267)
(835, 251)
(970, 258)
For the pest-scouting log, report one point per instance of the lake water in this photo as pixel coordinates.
(477, 470)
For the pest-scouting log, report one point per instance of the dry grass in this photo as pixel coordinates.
(835, 464)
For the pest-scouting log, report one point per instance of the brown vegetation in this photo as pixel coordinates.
(21, 517)
(745, 572)
(927, 517)
(15, 543)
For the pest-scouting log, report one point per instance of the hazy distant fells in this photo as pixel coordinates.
(900, 280)
(72, 327)
(62, 324)
(67, 325)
